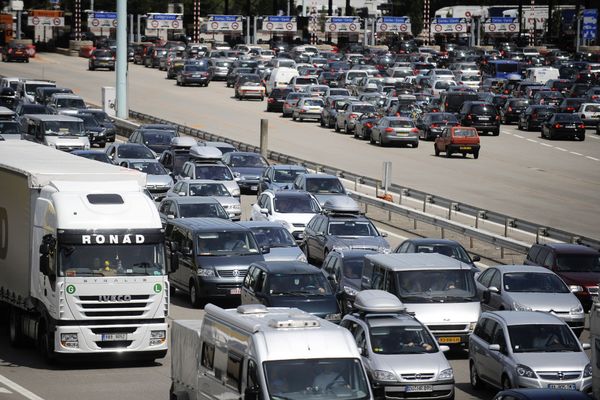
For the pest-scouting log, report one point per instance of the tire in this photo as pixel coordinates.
(380, 142)
(506, 383)
(337, 128)
(91, 68)
(293, 117)
(16, 336)
(415, 144)
(371, 139)
(464, 155)
(474, 377)
(436, 150)
(322, 123)
(194, 295)
(329, 124)
(581, 137)
(496, 133)
(45, 344)
(549, 136)
(448, 153)
(476, 155)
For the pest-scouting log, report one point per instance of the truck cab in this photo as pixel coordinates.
(59, 131)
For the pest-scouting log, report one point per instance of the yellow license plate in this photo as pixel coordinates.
(465, 148)
(453, 339)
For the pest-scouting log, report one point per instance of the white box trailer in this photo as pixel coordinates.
(254, 352)
(81, 254)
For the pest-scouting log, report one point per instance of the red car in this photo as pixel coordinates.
(457, 139)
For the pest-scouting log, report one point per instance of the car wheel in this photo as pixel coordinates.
(496, 133)
(329, 123)
(448, 153)
(474, 377)
(194, 295)
(581, 137)
(519, 127)
(322, 123)
(415, 144)
(549, 134)
(476, 155)
(503, 120)
(436, 150)
(380, 142)
(337, 127)
(293, 117)
(371, 138)
(355, 135)
(506, 383)
(528, 127)
(346, 128)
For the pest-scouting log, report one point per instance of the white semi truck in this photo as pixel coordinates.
(82, 266)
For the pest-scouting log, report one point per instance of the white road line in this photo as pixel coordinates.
(4, 390)
(560, 148)
(546, 144)
(19, 389)
(594, 137)
(508, 133)
(519, 136)
(592, 158)
(577, 154)
(531, 140)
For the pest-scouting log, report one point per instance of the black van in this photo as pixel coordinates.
(453, 101)
(209, 257)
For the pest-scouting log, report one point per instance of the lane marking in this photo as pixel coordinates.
(561, 149)
(519, 136)
(592, 158)
(508, 133)
(532, 140)
(546, 144)
(594, 137)
(577, 154)
(19, 389)
(4, 390)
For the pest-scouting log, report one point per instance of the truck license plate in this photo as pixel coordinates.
(567, 386)
(419, 388)
(465, 147)
(111, 337)
(451, 339)
(235, 291)
(253, 187)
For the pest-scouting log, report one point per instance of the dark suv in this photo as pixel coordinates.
(276, 99)
(577, 265)
(481, 116)
(512, 109)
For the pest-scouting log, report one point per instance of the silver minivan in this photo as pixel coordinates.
(402, 358)
(527, 349)
(439, 290)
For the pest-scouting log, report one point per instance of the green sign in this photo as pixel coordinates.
(71, 289)
(157, 288)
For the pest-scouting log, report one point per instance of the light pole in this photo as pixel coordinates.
(122, 109)
(426, 22)
(196, 21)
(77, 19)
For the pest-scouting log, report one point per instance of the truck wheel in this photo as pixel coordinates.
(16, 334)
(195, 295)
(46, 344)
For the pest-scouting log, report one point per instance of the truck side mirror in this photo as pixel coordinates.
(45, 264)
(251, 393)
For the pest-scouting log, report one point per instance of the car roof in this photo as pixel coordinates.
(288, 267)
(353, 253)
(261, 224)
(417, 262)
(208, 224)
(52, 117)
(287, 193)
(192, 199)
(570, 247)
(511, 318)
(523, 268)
(448, 242)
(375, 321)
(288, 167)
(325, 176)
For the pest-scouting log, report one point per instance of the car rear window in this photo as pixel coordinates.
(567, 118)
(313, 102)
(364, 109)
(592, 108)
(304, 81)
(483, 110)
(519, 103)
(401, 123)
(465, 132)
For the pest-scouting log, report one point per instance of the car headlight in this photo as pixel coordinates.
(576, 310)
(302, 258)
(235, 192)
(446, 374)
(575, 288)
(333, 317)
(520, 307)
(206, 272)
(525, 371)
(385, 250)
(381, 375)
(587, 371)
(350, 291)
(472, 326)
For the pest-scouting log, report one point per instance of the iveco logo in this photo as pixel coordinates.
(236, 273)
(120, 297)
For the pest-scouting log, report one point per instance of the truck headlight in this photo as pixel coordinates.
(333, 317)
(381, 375)
(525, 371)
(587, 371)
(446, 374)
(206, 272)
(69, 340)
(157, 337)
(472, 326)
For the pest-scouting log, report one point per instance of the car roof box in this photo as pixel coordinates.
(183, 142)
(378, 301)
(341, 204)
(205, 153)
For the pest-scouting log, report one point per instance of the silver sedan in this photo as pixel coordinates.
(308, 108)
(395, 130)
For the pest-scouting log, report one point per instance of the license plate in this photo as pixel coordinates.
(451, 339)
(253, 187)
(484, 118)
(196, 76)
(111, 337)
(401, 134)
(419, 388)
(465, 148)
(570, 126)
(235, 291)
(567, 386)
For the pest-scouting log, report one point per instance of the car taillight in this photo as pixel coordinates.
(497, 117)
(414, 130)
(570, 109)
(270, 100)
(553, 89)
(113, 58)
(434, 125)
(93, 57)
(389, 130)
(302, 111)
(10, 51)
(594, 97)
(557, 126)
(435, 110)
(369, 125)
(352, 116)
(506, 92)
(509, 109)
(581, 126)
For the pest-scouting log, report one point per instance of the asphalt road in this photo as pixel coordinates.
(555, 183)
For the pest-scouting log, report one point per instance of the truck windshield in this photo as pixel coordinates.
(439, 286)
(401, 340)
(111, 260)
(332, 378)
(63, 128)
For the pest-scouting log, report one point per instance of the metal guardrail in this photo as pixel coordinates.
(476, 212)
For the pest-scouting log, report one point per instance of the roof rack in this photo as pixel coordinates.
(341, 205)
(183, 142)
(378, 302)
(205, 153)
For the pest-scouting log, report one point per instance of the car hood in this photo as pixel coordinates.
(580, 278)
(226, 200)
(230, 261)
(67, 141)
(445, 313)
(317, 305)
(254, 172)
(323, 197)
(294, 218)
(360, 242)
(281, 185)
(546, 301)
(283, 254)
(572, 361)
(160, 180)
(426, 363)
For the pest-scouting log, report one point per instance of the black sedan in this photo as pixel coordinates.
(276, 99)
(512, 109)
(432, 124)
(534, 115)
(563, 125)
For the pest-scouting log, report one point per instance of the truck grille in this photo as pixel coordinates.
(232, 273)
(109, 306)
(120, 344)
(461, 327)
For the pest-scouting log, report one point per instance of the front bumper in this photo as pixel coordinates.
(248, 185)
(580, 384)
(219, 287)
(387, 390)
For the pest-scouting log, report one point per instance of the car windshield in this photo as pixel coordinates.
(592, 108)
(401, 340)
(313, 102)
(150, 168)
(213, 172)
(324, 185)
(519, 103)
(431, 286)
(63, 128)
(111, 260)
(140, 152)
(70, 103)
(253, 80)
(226, 243)
(534, 282)
(305, 81)
(316, 379)
(456, 252)
(158, 137)
(541, 338)
(202, 210)
(9, 128)
(465, 132)
(352, 267)
(363, 108)
(309, 284)
(443, 117)
(286, 175)
(102, 53)
(88, 120)
(208, 189)
(247, 160)
(566, 118)
(578, 262)
(273, 236)
(303, 204)
(351, 228)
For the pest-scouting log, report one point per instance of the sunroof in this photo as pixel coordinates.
(105, 198)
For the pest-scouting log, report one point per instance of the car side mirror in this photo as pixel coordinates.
(384, 234)
(494, 347)
(181, 193)
(170, 216)
(476, 258)
(331, 278)
(264, 211)
(586, 346)
(493, 289)
(265, 179)
(444, 348)
(265, 249)
(186, 251)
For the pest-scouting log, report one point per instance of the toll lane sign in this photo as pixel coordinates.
(448, 25)
(224, 23)
(279, 24)
(501, 25)
(342, 24)
(393, 24)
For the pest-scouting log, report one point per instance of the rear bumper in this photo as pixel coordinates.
(194, 80)
(464, 148)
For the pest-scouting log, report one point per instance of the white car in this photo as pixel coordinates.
(292, 208)
(308, 108)
(590, 114)
(208, 188)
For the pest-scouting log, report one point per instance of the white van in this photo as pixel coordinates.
(280, 78)
(542, 74)
(440, 291)
(254, 352)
